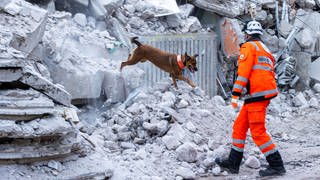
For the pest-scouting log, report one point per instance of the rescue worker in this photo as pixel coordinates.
(256, 74)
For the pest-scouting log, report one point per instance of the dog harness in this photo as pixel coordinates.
(180, 63)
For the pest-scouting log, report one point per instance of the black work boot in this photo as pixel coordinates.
(233, 162)
(275, 167)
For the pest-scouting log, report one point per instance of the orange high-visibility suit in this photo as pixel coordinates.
(256, 73)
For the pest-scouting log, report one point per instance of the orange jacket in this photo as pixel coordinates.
(255, 72)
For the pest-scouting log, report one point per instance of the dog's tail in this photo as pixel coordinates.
(134, 40)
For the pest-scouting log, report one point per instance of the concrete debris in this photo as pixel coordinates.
(55, 165)
(37, 81)
(229, 8)
(171, 142)
(12, 8)
(286, 72)
(314, 71)
(25, 25)
(32, 125)
(94, 175)
(186, 173)
(271, 41)
(80, 19)
(300, 100)
(303, 69)
(97, 9)
(285, 28)
(308, 4)
(187, 152)
(252, 162)
(316, 88)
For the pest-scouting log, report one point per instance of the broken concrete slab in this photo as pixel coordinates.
(80, 19)
(118, 31)
(317, 3)
(32, 151)
(114, 86)
(185, 10)
(271, 41)
(4, 3)
(314, 70)
(12, 8)
(93, 175)
(310, 25)
(229, 9)
(303, 69)
(10, 75)
(306, 40)
(285, 28)
(17, 104)
(97, 9)
(33, 21)
(40, 83)
(102, 8)
(46, 126)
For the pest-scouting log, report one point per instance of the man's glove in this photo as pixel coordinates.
(235, 101)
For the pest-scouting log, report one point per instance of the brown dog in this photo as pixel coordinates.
(171, 63)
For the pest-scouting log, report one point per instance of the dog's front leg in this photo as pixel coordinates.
(174, 80)
(186, 80)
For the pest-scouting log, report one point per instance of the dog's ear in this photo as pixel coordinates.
(186, 54)
(196, 55)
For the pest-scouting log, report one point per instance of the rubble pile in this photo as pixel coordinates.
(167, 133)
(36, 115)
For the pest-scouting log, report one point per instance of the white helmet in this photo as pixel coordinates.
(253, 27)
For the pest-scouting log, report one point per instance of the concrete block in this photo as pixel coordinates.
(97, 9)
(40, 83)
(229, 9)
(108, 6)
(252, 162)
(12, 8)
(314, 70)
(187, 152)
(33, 21)
(171, 142)
(285, 28)
(114, 86)
(48, 126)
(27, 152)
(300, 100)
(185, 10)
(10, 75)
(80, 19)
(4, 3)
(272, 42)
(303, 69)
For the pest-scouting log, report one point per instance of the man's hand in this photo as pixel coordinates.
(235, 101)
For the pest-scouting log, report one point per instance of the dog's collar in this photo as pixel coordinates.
(180, 63)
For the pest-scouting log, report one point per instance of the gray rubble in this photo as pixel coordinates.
(25, 25)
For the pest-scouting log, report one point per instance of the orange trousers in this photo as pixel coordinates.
(253, 116)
